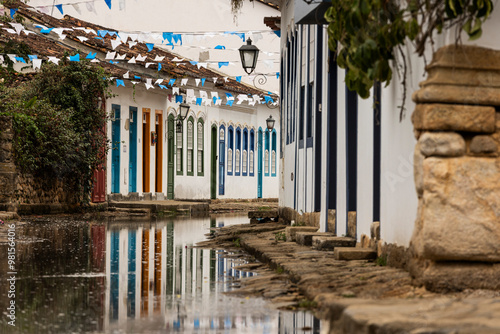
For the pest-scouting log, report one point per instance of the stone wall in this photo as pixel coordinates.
(456, 240)
(24, 193)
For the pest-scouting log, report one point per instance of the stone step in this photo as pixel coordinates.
(263, 214)
(327, 243)
(291, 231)
(350, 253)
(305, 238)
(6, 215)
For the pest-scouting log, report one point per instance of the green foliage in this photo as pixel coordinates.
(58, 124)
(280, 236)
(21, 49)
(236, 243)
(279, 270)
(367, 34)
(307, 304)
(381, 261)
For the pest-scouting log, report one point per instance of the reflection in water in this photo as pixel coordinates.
(134, 278)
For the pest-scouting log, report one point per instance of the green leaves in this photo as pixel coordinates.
(366, 33)
(58, 125)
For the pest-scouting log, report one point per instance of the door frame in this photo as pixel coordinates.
(170, 156)
(222, 158)
(132, 182)
(213, 162)
(159, 151)
(116, 148)
(146, 149)
(259, 163)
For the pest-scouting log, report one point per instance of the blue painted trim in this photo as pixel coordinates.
(245, 148)
(132, 176)
(268, 149)
(116, 149)
(251, 149)
(222, 160)
(259, 163)
(237, 146)
(274, 136)
(230, 145)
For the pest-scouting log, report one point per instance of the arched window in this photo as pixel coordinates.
(273, 153)
(230, 147)
(251, 153)
(178, 157)
(266, 154)
(237, 153)
(244, 159)
(201, 142)
(190, 146)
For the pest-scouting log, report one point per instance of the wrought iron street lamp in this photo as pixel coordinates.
(270, 123)
(183, 111)
(249, 54)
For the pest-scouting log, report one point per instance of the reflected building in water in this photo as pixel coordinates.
(153, 271)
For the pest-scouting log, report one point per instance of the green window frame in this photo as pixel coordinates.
(200, 154)
(190, 147)
(179, 151)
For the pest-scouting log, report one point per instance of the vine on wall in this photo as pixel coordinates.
(367, 34)
(59, 120)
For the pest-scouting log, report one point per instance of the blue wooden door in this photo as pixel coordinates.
(222, 160)
(115, 152)
(132, 184)
(259, 164)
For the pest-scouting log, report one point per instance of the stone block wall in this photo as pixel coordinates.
(24, 193)
(456, 240)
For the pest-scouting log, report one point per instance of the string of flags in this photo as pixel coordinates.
(256, 35)
(163, 84)
(115, 57)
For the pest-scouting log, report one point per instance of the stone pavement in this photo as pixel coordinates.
(354, 296)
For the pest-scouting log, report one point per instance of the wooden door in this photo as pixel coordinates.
(115, 151)
(170, 156)
(146, 151)
(259, 165)
(159, 151)
(132, 184)
(213, 164)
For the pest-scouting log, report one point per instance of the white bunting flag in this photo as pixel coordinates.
(197, 81)
(158, 58)
(115, 43)
(131, 44)
(148, 64)
(82, 38)
(126, 75)
(159, 81)
(54, 60)
(120, 57)
(184, 82)
(110, 55)
(132, 60)
(37, 63)
(175, 90)
(177, 59)
(77, 8)
(141, 58)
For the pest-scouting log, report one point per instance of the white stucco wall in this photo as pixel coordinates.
(188, 186)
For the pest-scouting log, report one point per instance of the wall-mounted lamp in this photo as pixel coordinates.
(183, 111)
(270, 123)
(249, 54)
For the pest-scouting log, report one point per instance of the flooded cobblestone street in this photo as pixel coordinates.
(131, 276)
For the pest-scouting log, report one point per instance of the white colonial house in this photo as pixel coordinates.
(340, 153)
(222, 148)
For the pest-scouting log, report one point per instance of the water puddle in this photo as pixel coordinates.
(131, 277)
